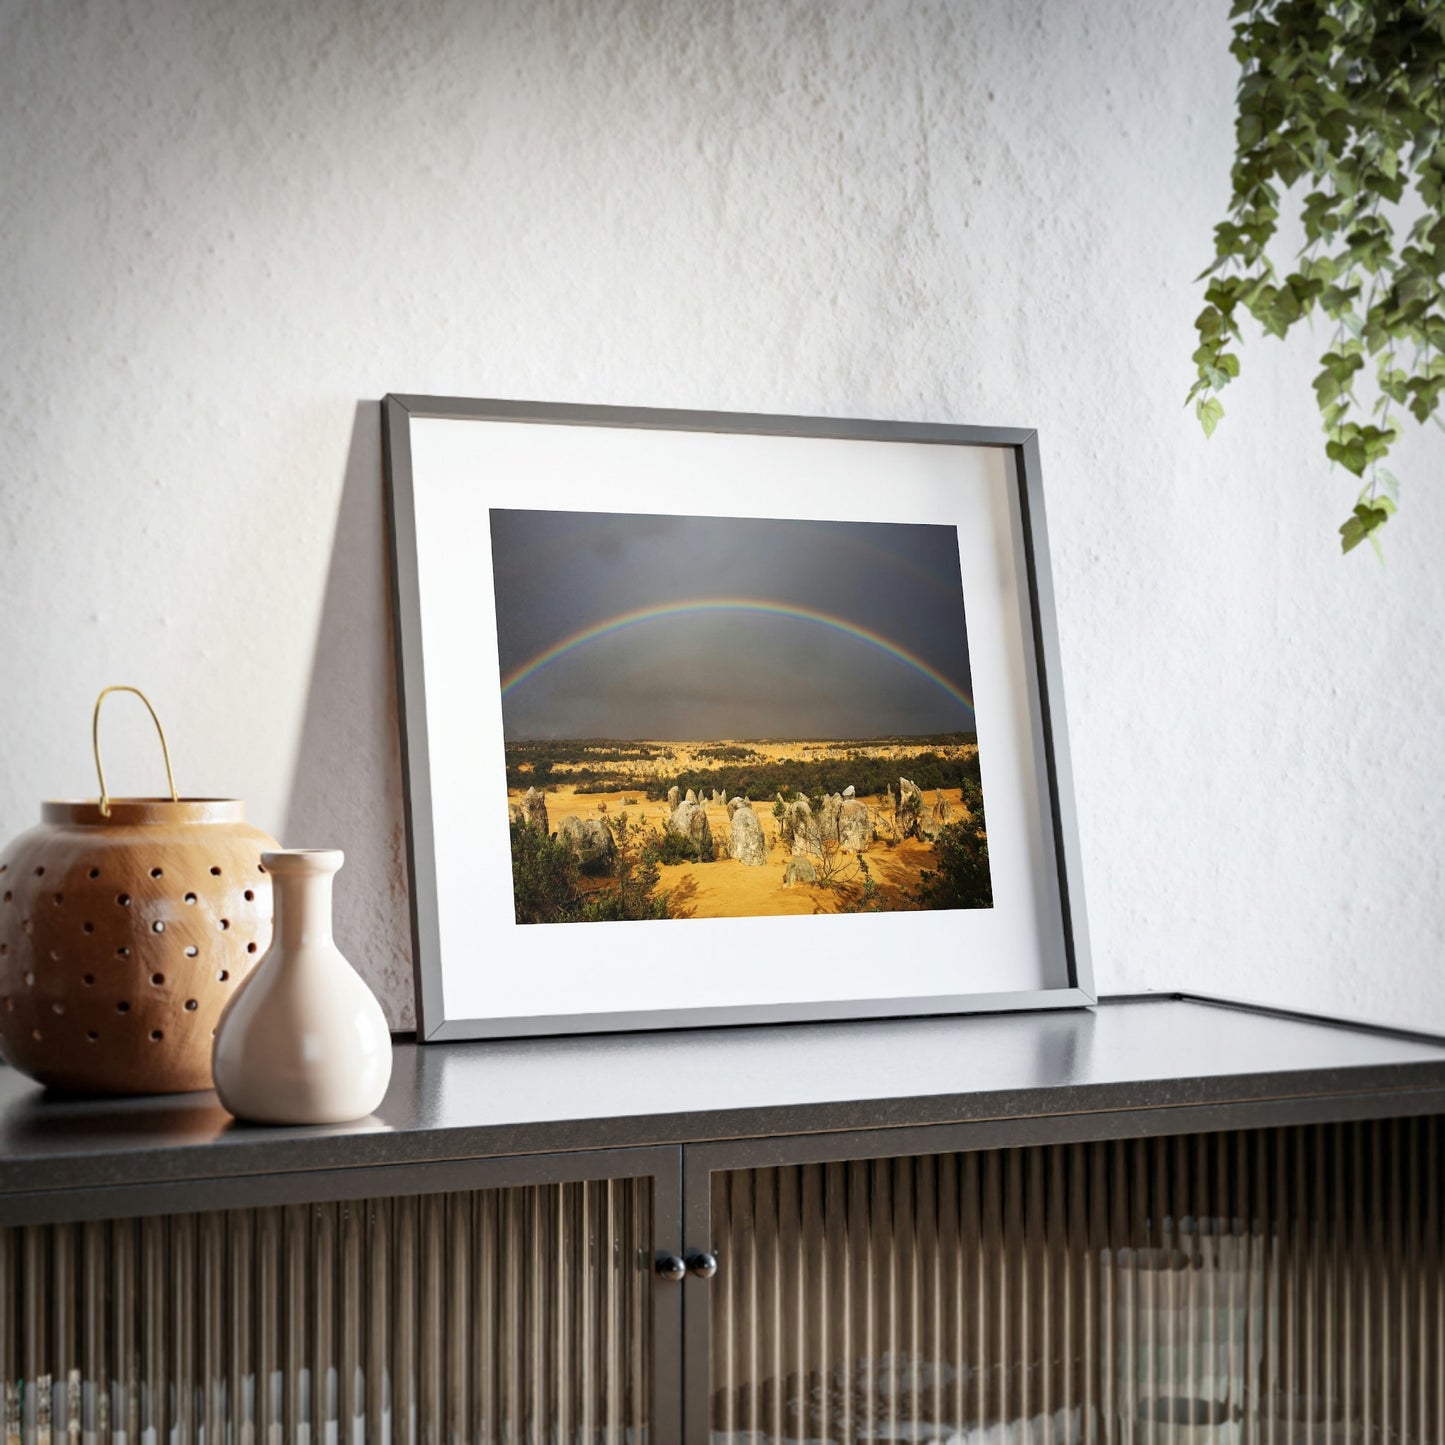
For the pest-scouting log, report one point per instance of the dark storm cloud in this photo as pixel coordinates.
(733, 674)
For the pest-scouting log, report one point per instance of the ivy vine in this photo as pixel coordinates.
(1344, 99)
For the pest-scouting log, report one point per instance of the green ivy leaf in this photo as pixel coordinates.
(1363, 522)
(1327, 387)
(1209, 412)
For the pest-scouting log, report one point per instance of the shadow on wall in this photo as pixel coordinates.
(346, 790)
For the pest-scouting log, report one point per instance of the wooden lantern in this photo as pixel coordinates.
(125, 926)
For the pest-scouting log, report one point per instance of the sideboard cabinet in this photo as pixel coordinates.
(1156, 1221)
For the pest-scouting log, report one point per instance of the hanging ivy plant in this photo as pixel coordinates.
(1342, 103)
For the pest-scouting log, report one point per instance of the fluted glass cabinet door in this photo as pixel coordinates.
(1269, 1286)
(508, 1315)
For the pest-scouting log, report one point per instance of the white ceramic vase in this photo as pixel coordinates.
(303, 1040)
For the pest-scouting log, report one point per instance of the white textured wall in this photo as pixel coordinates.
(227, 227)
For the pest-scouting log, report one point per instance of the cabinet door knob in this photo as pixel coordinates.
(669, 1266)
(702, 1264)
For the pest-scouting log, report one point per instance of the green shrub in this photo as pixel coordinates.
(546, 874)
(868, 898)
(669, 847)
(544, 877)
(960, 877)
(624, 905)
(635, 894)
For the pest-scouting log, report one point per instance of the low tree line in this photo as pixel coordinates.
(868, 776)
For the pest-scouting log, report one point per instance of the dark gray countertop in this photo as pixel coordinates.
(526, 1096)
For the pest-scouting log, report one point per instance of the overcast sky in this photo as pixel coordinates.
(730, 674)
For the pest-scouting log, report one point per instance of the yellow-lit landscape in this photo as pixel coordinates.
(623, 787)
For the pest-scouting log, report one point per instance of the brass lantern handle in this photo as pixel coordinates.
(95, 742)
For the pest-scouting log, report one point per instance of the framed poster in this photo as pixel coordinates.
(715, 719)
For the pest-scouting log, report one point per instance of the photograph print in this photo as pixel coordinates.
(721, 717)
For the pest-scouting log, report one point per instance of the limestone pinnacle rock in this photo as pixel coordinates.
(534, 809)
(590, 839)
(799, 870)
(747, 843)
(855, 826)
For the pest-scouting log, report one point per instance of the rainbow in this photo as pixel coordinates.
(729, 604)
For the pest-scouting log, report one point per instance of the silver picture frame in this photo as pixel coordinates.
(1055, 781)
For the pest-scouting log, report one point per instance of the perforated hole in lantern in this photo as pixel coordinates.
(95, 872)
(122, 952)
(158, 926)
(250, 948)
(122, 1007)
(156, 872)
(8, 896)
(40, 872)
(224, 974)
(224, 924)
(88, 979)
(123, 899)
(91, 1036)
(58, 899)
(156, 1036)
(260, 867)
(36, 1035)
(215, 872)
(190, 897)
(87, 928)
(4, 949)
(158, 979)
(57, 1007)
(192, 951)
(191, 1005)
(55, 955)
(29, 980)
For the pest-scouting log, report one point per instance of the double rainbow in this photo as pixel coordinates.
(729, 604)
